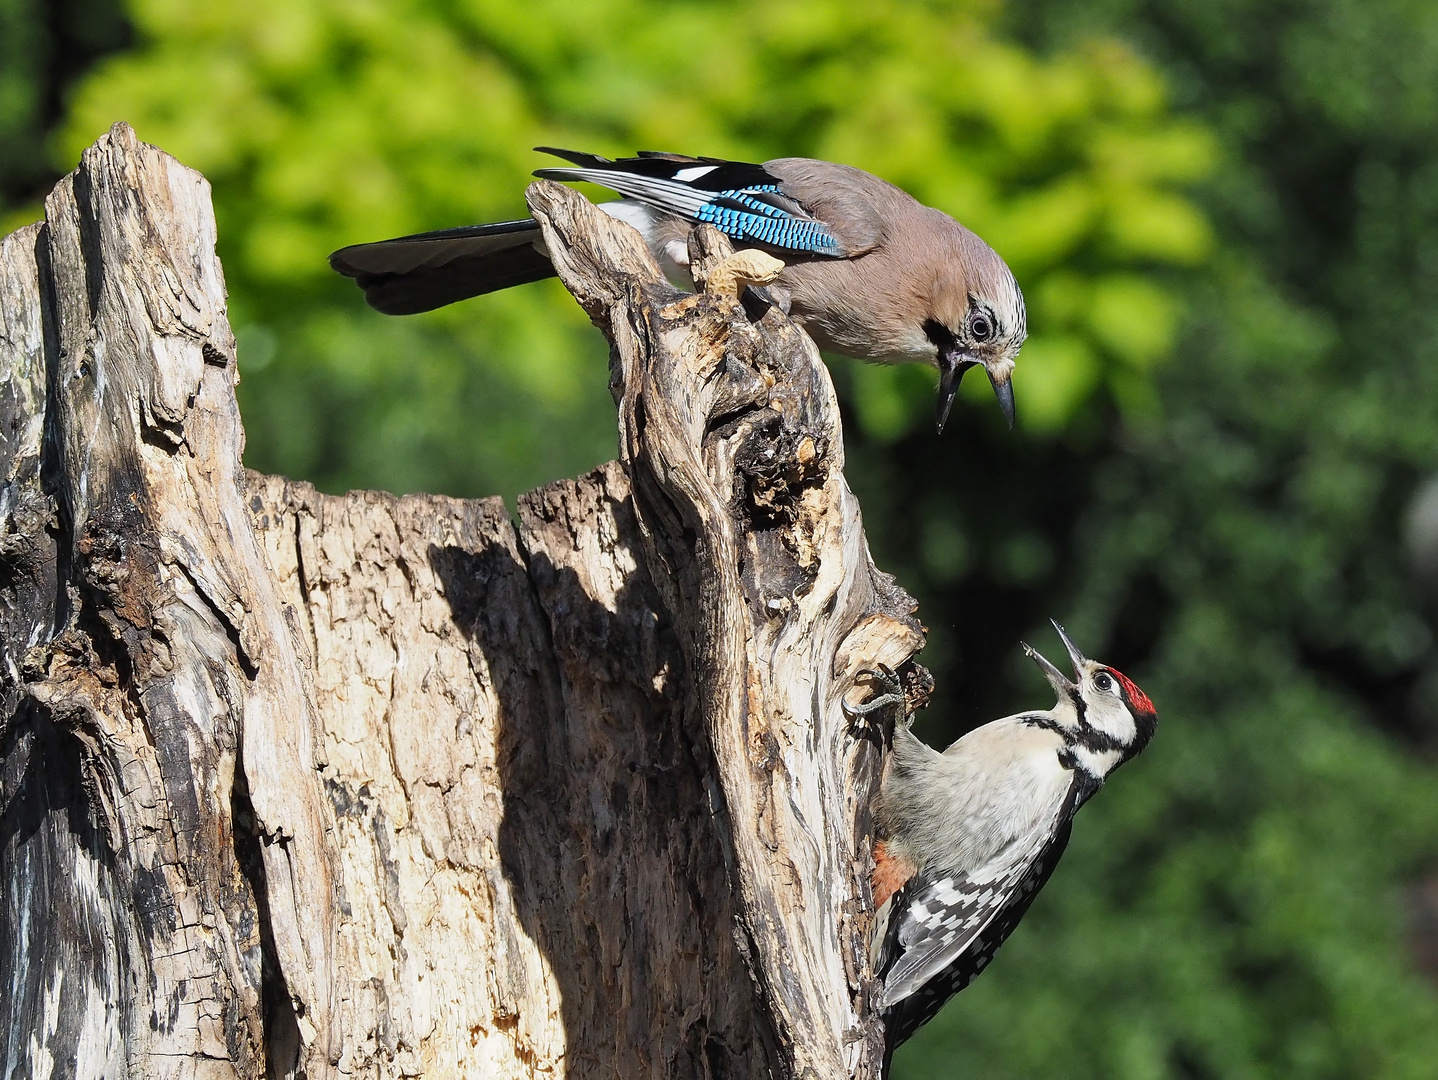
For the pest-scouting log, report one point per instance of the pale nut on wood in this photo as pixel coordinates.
(747, 267)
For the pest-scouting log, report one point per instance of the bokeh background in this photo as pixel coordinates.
(1224, 214)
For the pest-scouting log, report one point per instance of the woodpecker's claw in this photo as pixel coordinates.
(893, 695)
(888, 680)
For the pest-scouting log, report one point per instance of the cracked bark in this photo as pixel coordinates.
(373, 786)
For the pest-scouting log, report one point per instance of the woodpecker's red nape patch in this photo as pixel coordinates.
(890, 874)
(1136, 697)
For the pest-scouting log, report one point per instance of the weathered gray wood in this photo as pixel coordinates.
(138, 939)
(533, 882)
(729, 430)
(373, 786)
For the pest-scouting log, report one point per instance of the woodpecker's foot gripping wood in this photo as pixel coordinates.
(892, 687)
(890, 709)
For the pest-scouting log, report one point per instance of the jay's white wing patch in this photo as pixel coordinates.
(740, 199)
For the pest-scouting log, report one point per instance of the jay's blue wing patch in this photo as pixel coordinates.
(746, 215)
(741, 200)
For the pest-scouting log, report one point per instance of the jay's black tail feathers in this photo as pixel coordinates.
(417, 273)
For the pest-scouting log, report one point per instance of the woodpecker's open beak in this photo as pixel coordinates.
(1057, 679)
(1079, 659)
(952, 365)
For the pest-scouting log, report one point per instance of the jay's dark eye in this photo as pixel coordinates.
(1103, 682)
(981, 328)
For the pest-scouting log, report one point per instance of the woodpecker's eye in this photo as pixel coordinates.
(1103, 682)
(980, 328)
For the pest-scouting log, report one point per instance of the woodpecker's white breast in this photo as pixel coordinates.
(997, 787)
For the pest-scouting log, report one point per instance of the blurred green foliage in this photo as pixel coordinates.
(1233, 906)
(1223, 213)
(329, 122)
(44, 45)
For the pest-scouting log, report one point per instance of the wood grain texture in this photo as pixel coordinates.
(367, 786)
(729, 431)
(533, 884)
(163, 663)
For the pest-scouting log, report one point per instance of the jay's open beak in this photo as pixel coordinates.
(1004, 391)
(952, 365)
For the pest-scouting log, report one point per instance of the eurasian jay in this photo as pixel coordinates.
(868, 271)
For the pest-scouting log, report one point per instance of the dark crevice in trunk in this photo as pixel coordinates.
(282, 1031)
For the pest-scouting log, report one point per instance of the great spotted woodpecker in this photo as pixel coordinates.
(967, 837)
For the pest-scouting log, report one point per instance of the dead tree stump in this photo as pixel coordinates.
(333, 786)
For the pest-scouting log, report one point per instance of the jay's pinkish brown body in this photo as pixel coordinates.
(869, 271)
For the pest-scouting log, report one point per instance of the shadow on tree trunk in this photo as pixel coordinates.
(366, 786)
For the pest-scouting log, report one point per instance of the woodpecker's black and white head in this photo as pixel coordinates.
(1104, 717)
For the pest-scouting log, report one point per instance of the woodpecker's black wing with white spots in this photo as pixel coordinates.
(928, 994)
(935, 921)
(942, 932)
(744, 201)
